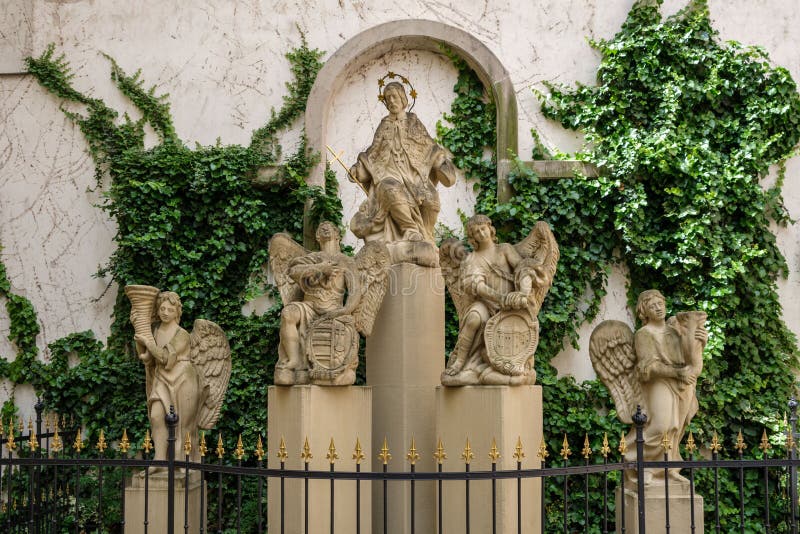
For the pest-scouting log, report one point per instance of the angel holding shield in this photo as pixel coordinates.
(498, 290)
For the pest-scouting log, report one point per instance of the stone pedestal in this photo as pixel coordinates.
(319, 413)
(157, 494)
(655, 509)
(480, 414)
(405, 357)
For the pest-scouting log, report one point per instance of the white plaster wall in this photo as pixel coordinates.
(222, 63)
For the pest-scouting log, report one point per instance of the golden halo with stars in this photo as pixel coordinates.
(393, 76)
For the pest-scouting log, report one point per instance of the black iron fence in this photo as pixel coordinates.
(48, 483)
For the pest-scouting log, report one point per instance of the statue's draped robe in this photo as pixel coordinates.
(404, 164)
(669, 403)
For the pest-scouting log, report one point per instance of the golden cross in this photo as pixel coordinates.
(337, 157)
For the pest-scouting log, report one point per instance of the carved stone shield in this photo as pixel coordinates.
(331, 347)
(511, 340)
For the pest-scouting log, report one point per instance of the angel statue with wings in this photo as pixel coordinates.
(187, 371)
(657, 369)
(497, 290)
(319, 330)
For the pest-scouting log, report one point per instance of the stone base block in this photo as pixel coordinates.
(480, 414)
(405, 357)
(319, 413)
(157, 492)
(655, 510)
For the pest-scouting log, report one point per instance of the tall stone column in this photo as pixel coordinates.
(405, 358)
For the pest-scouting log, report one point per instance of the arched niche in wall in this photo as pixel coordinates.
(425, 35)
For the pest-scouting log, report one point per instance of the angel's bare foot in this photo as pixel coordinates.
(454, 369)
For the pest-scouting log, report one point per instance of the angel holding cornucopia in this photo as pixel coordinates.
(656, 369)
(186, 371)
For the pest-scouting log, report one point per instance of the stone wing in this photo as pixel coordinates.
(540, 252)
(372, 265)
(282, 250)
(211, 355)
(451, 253)
(613, 357)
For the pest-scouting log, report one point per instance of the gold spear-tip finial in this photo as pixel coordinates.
(691, 446)
(259, 449)
(623, 445)
(587, 449)
(412, 456)
(78, 443)
(358, 452)
(239, 450)
(440, 456)
(57, 445)
(542, 453)
(203, 449)
(385, 456)
(666, 443)
(124, 443)
(101, 443)
(332, 456)
(565, 450)
(10, 444)
(306, 454)
(147, 443)
(519, 453)
(740, 446)
(494, 454)
(33, 442)
(220, 447)
(187, 444)
(605, 450)
(467, 455)
(765, 445)
(716, 446)
(282, 454)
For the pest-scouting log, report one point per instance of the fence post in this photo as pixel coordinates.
(793, 456)
(639, 420)
(172, 423)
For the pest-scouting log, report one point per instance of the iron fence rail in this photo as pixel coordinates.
(40, 487)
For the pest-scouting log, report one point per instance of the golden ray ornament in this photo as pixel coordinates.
(57, 445)
(623, 445)
(187, 444)
(33, 442)
(405, 81)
